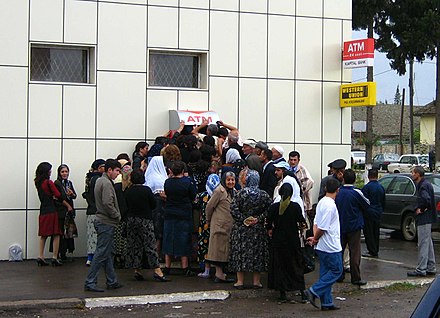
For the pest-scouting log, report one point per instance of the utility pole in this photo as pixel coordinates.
(411, 104)
(401, 123)
(369, 122)
(437, 111)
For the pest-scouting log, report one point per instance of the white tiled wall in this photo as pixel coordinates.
(274, 71)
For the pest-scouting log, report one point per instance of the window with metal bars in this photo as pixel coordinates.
(60, 64)
(168, 69)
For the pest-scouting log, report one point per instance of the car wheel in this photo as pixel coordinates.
(409, 228)
(396, 171)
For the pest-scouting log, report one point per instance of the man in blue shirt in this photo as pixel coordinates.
(374, 192)
(352, 204)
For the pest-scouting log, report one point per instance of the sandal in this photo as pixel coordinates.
(239, 287)
(259, 286)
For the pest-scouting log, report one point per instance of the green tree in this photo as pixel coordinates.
(397, 97)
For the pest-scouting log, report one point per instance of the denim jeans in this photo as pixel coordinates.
(330, 269)
(426, 249)
(103, 256)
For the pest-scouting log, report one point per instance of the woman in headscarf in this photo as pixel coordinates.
(286, 266)
(219, 218)
(65, 218)
(201, 202)
(155, 177)
(249, 251)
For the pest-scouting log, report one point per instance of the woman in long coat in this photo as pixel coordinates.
(249, 242)
(286, 266)
(218, 215)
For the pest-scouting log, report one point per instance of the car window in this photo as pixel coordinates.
(402, 186)
(406, 160)
(435, 181)
(385, 182)
(424, 160)
(392, 157)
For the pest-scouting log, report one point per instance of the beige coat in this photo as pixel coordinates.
(218, 214)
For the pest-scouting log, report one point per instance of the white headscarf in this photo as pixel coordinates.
(296, 192)
(156, 174)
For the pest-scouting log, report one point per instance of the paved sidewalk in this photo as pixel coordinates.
(25, 284)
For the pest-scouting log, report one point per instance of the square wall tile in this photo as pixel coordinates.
(259, 6)
(280, 115)
(286, 7)
(332, 50)
(311, 158)
(163, 27)
(122, 37)
(346, 124)
(80, 21)
(231, 5)
(13, 98)
(32, 236)
(347, 33)
(333, 152)
(310, 8)
(159, 102)
(48, 150)
(253, 45)
(78, 155)
(13, 233)
(281, 47)
(308, 105)
(121, 105)
(193, 100)
(131, 1)
(309, 52)
(340, 9)
(45, 110)
(252, 100)
(170, 3)
(13, 191)
(46, 20)
(223, 98)
(332, 126)
(193, 29)
(14, 48)
(81, 240)
(79, 111)
(112, 148)
(197, 4)
(223, 52)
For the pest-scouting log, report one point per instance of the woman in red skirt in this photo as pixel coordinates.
(48, 219)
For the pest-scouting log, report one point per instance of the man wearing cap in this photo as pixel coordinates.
(277, 154)
(337, 167)
(284, 175)
(234, 151)
(259, 147)
(252, 160)
(268, 180)
(304, 178)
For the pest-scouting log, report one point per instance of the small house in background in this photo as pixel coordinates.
(427, 123)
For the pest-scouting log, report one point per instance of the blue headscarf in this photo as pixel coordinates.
(252, 178)
(212, 183)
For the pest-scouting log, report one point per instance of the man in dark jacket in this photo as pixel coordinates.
(426, 215)
(268, 180)
(374, 192)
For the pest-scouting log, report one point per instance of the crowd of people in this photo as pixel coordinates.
(237, 206)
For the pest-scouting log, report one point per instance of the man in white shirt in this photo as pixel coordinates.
(327, 239)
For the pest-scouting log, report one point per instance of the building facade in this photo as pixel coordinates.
(86, 79)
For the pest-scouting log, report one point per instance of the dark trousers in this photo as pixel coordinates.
(353, 240)
(371, 234)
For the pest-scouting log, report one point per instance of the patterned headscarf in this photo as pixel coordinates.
(252, 178)
(212, 183)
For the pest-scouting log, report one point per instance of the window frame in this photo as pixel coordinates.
(202, 76)
(91, 62)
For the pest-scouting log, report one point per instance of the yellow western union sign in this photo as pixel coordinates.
(360, 94)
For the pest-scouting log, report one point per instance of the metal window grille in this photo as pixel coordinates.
(59, 64)
(174, 70)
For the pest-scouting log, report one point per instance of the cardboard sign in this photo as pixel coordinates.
(191, 117)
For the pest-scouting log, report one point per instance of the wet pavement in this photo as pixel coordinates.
(24, 282)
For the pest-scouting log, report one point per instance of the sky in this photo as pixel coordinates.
(387, 79)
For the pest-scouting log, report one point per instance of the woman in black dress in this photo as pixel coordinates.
(286, 265)
(140, 229)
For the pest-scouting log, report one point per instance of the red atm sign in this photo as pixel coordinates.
(358, 53)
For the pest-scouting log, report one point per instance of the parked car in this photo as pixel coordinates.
(407, 162)
(382, 160)
(358, 158)
(400, 200)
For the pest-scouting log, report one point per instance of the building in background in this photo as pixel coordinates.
(86, 79)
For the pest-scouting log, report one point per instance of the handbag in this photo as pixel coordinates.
(308, 251)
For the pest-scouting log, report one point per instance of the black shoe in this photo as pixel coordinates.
(161, 279)
(115, 286)
(188, 273)
(416, 274)
(359, 282)
(347, 270)
(226, 280)
(325, 308)
(166, 271)
(138, 276)
(311, 298)
(239, 287)
(431, 273)
(93, 289)
(56, 262)
(259, 286)
(367, 254)
(41, 262)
